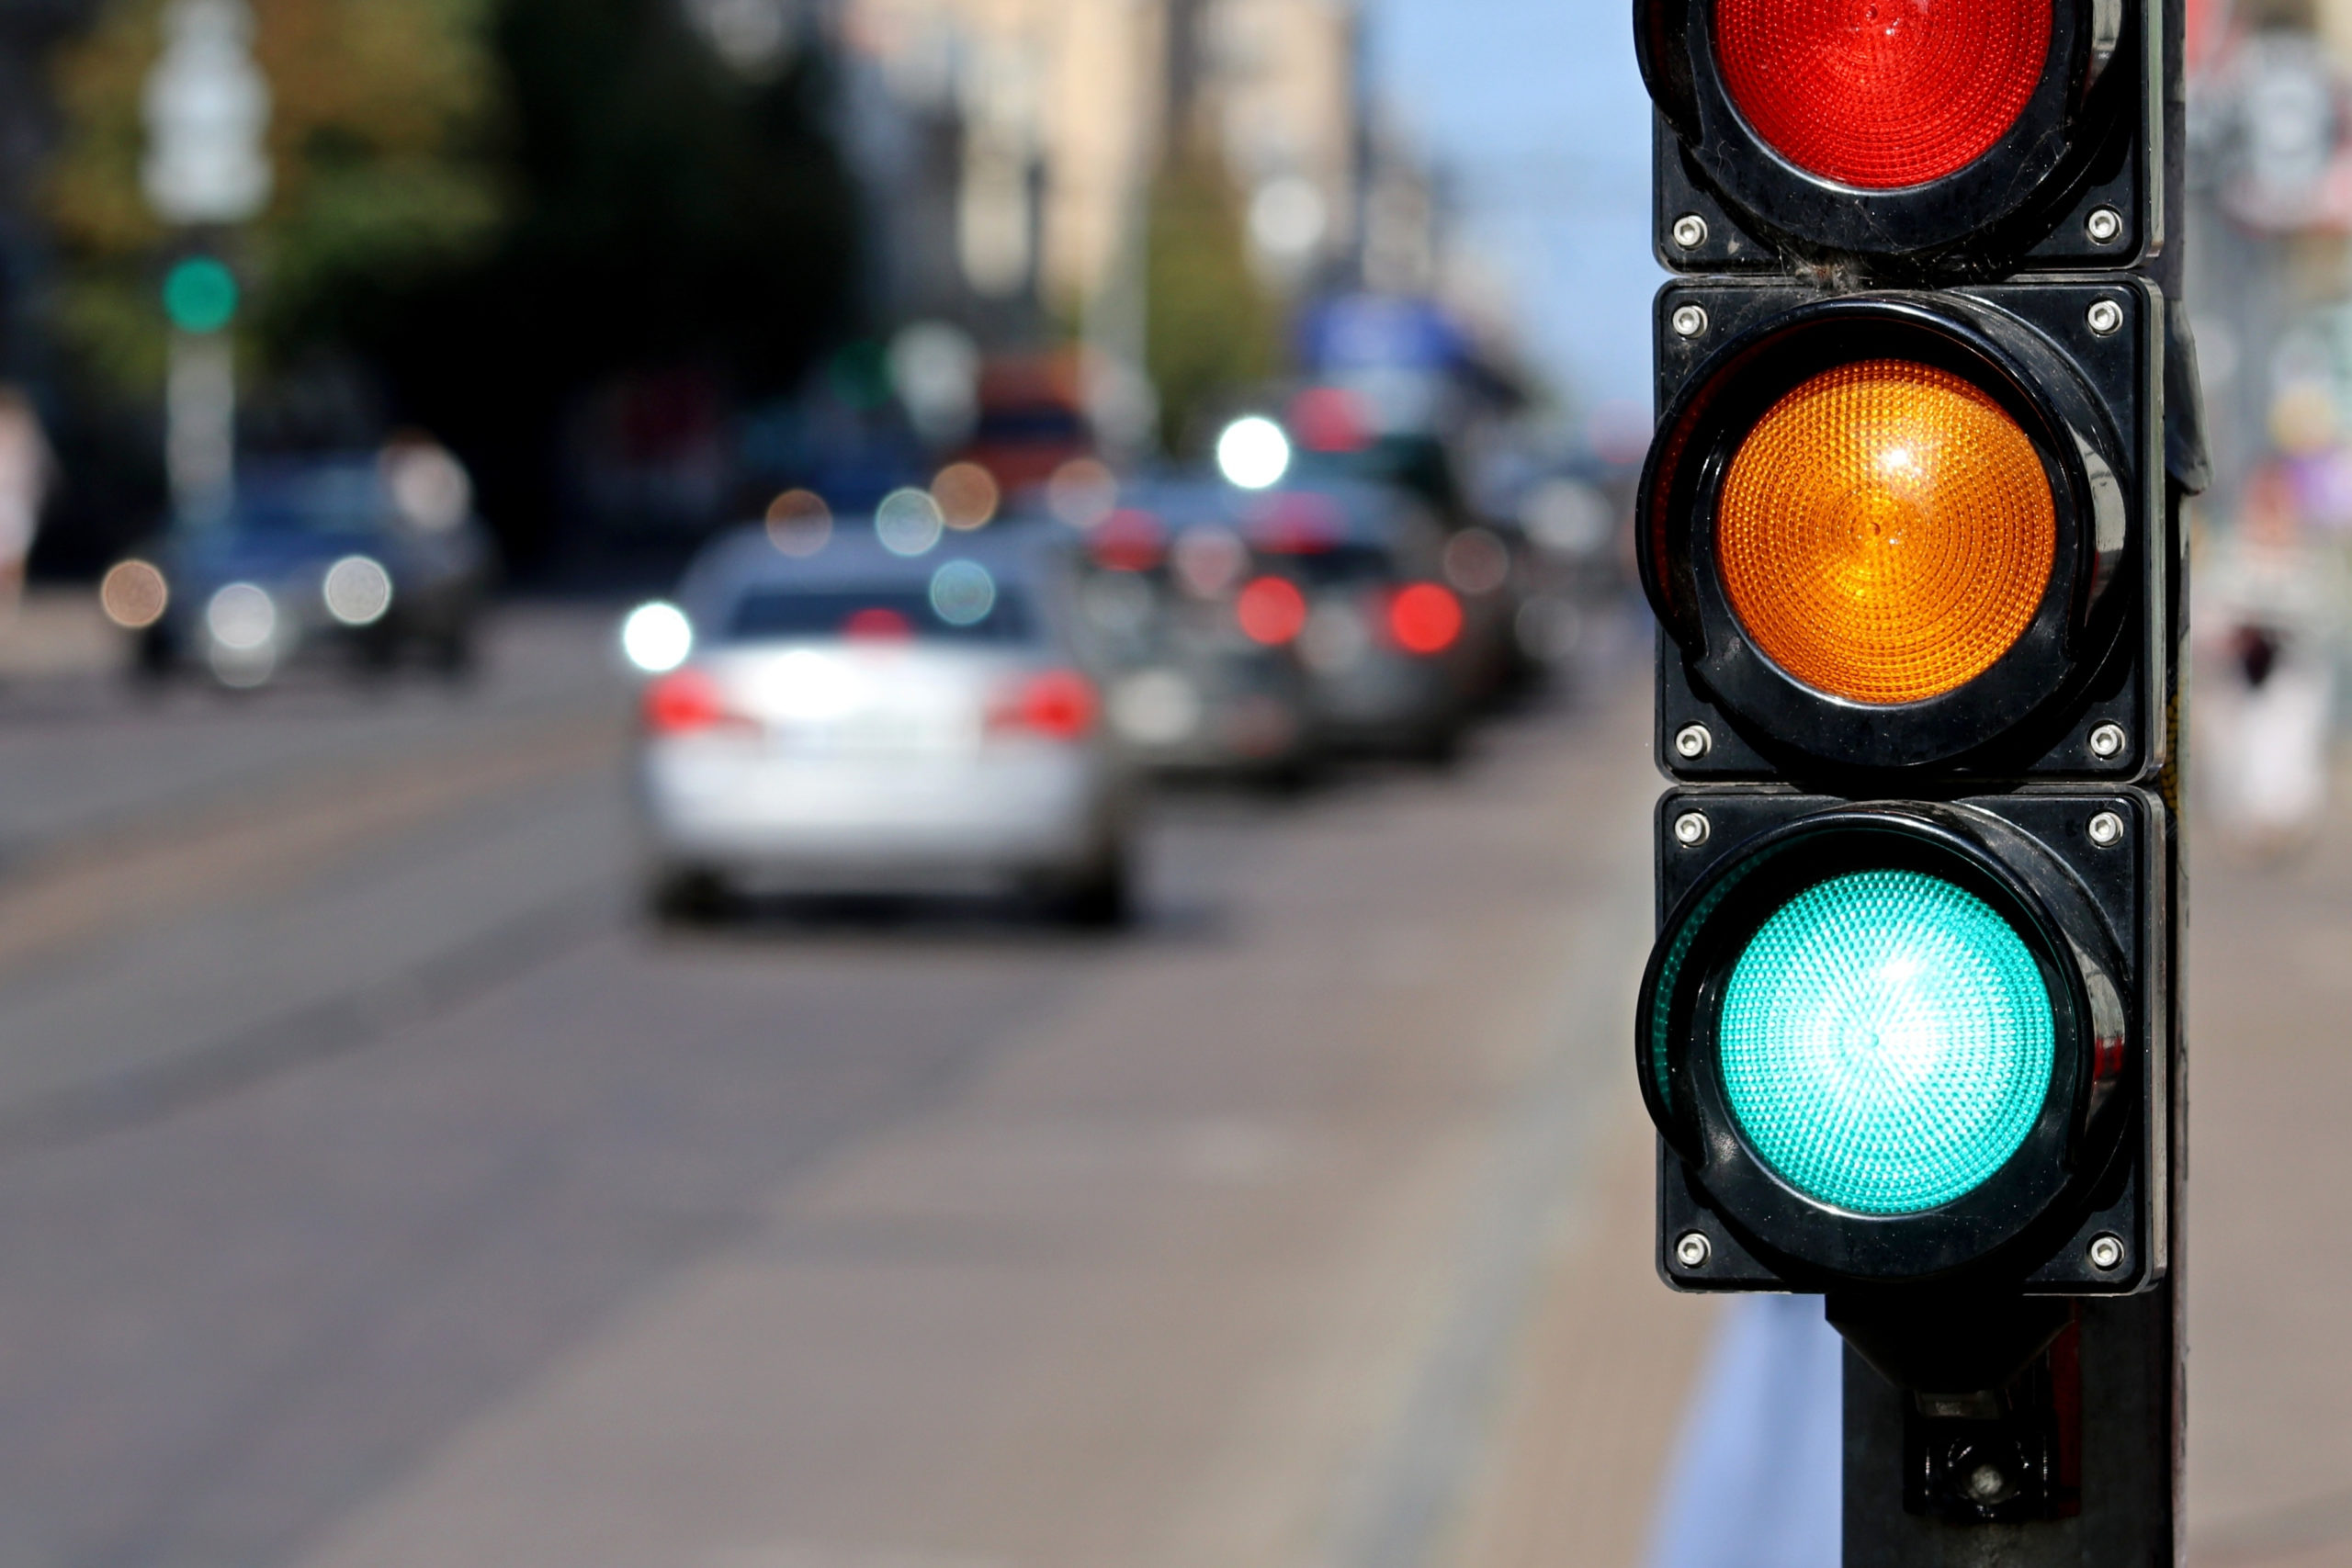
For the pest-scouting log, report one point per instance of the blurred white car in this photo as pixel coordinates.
(854, 719)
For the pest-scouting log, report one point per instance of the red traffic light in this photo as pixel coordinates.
(1942, 136)
(1882, 94)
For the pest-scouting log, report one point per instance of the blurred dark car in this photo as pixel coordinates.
(371, 560)
(1388, 647)
(1196, 636)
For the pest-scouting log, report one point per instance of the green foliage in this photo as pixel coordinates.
(1211, 332)
(488, 208)
(381, 135)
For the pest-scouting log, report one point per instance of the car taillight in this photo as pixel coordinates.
(1060, 704)
(1270, 610)
(685, 701)
(1424, 618)
(1881, 94)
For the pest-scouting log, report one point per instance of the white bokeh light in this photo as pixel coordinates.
(1253, 452)
(357, 591)
(657, 637)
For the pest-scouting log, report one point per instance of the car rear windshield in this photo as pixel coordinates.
(882, 614)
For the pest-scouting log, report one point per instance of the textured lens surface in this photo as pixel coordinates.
(1887, 1042)
(1886, 532)
(1881, 93)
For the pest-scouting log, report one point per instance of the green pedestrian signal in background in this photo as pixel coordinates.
(200, 295)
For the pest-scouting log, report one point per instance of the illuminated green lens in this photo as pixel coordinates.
(1887, 1042)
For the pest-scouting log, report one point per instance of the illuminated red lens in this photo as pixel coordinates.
(1881, 93)
(1060, 705)
(1271, 610)
(1424, 618)
(683, 701)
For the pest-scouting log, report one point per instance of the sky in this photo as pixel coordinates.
(1534, 114)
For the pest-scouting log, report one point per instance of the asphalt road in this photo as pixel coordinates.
(375, 1188)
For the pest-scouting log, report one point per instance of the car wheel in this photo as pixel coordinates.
(154, 661)
(453, 653)
(1439, 747)
(687, 896)
(1104, 899)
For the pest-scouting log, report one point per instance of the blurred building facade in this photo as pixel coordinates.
(1068, 108)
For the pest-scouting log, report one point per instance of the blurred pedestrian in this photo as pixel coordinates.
(26, 470)
(2268, 621)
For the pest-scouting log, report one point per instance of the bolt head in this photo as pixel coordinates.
(2107, 829)
(1691, 829)
(1692, 1250)
(1690, 232)
(2109, 741)
(1988, 1484)
(1693, 741)
(1688, 320)
(2106, 318)
(2104, 225)
(2106, 1252)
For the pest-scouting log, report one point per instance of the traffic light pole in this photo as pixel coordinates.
(2119, 1427)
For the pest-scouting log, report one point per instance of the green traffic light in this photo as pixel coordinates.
(1887, 1042)
(200, 295)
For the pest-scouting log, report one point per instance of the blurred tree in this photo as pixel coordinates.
(1211, 332)
(679, 218)
(492, 206)
(380, 137)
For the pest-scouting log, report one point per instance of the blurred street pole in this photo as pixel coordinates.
(207, 112)
(200, 422)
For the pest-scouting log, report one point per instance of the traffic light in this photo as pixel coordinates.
(1909, 525)
(1931, 139)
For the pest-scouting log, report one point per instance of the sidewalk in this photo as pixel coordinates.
(58, 630)
(2271, 1277)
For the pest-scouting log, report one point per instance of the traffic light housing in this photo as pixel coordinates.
(1936, 141)
(1910, 527)
(1889, 1043)
(2060, 671)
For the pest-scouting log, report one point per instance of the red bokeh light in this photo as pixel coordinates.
(876, 625)
(1330, 418)
(685, 700)
(1128, 540)
(1270, 610)
(1059, 704)
(1424, 618)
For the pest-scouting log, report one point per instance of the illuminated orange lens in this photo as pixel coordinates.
(1886, 532)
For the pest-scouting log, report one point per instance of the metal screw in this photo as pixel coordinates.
(2104, 225)
(1688, 320)
(1692, 1250)
(1692, 742)
(2107, 829)
(1691, 828)
(1986, 1483)
(2106, 1252)
(1690, 232)
(2109, 741)
(2106, 317)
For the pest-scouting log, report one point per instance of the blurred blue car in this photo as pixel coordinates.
(371, 560)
